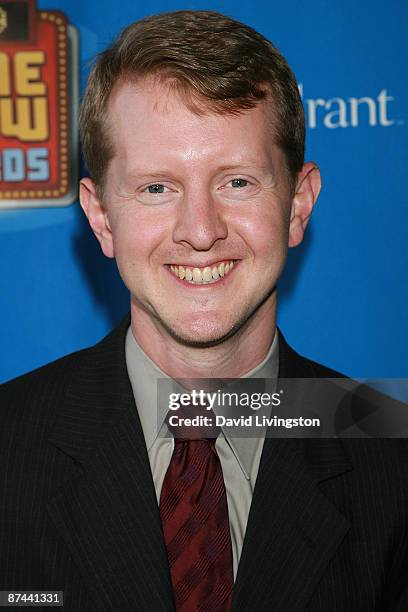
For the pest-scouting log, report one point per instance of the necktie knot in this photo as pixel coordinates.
(193, 422)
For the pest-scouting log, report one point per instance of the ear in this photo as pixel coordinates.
(308, 187)
(97, 215)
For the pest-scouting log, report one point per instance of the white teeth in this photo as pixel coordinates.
(205, 275)
(197, 276)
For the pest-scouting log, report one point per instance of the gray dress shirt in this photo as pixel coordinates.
(239, 456)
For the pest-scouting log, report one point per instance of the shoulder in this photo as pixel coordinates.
(294, 365)
(369, 425)
(35, 397)
(29, 406)
(53, 416)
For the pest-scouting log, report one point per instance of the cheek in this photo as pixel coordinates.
(137, 236)
(266, 234)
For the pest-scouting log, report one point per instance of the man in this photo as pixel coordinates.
(193, 133)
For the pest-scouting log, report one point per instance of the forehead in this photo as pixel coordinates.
(151, 121)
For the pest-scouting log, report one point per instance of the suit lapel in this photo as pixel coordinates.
(107, 511)
(293, 529)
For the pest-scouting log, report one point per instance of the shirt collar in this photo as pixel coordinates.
(144, 375)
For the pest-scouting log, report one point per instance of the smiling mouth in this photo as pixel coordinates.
(203, 276)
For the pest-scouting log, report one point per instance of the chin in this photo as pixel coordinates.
(201, 333)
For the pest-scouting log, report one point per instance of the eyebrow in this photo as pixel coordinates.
(144, 173)
(149, 173)
(247, 164)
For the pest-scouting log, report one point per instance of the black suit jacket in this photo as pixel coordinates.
(327, 529)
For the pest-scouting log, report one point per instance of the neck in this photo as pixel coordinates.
(232, 358)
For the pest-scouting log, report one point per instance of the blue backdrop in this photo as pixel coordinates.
(343, 297)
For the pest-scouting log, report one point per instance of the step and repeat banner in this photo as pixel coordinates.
(343, 296)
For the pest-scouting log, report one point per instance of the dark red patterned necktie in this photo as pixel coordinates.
(194, 513)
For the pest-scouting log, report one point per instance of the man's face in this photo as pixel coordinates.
(197, 212)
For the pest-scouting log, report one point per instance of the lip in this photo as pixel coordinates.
(214, 262)
(219, 283)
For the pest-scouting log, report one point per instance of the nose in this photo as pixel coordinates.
(200, 221)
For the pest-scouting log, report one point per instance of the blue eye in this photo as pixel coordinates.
(238, 182)
(156, 188)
